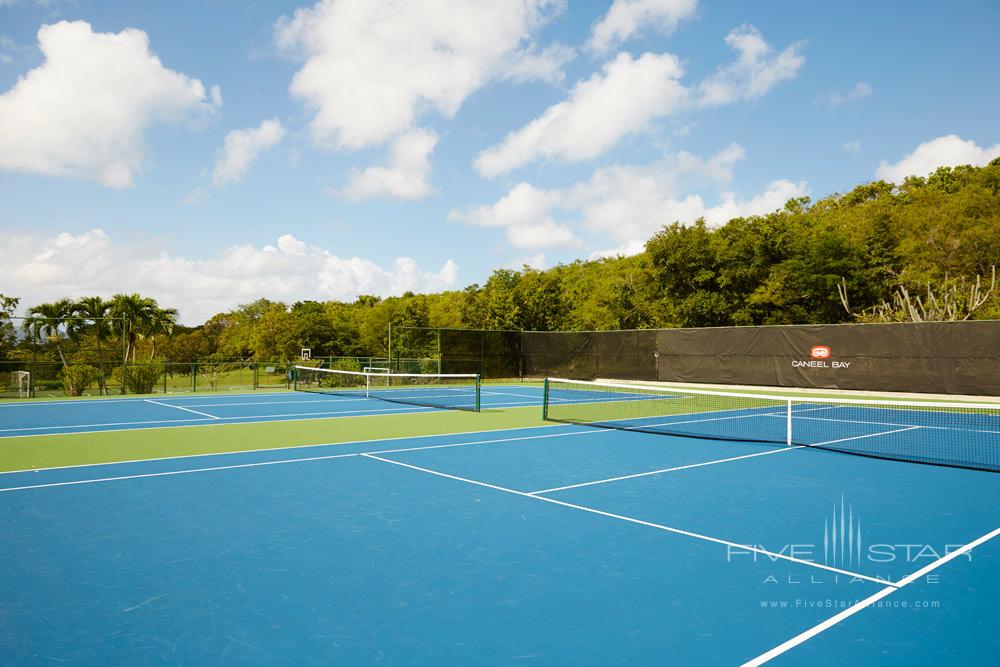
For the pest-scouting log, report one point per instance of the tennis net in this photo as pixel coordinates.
(435, 390)
(965, 435)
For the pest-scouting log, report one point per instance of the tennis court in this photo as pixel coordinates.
(112, 414)
(497, 537)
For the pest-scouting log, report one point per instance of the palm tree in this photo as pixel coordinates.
(131, 313)
(161, 320)
(95, 309)
(47, 319)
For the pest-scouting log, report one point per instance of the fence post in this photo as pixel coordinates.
(256, 379)
(194, 378)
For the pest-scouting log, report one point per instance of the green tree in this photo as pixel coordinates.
(49, 319)
(132, 314)
(8, 335)
(91, 314)
(161, 321)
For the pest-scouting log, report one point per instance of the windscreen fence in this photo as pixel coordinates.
(922, 357)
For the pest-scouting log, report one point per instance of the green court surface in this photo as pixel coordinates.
(50, 451)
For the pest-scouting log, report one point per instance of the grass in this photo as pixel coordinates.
(50, 451)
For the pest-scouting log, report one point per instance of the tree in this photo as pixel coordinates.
(48, 319)
(541, 305)
(91, 313)
(159, 321)
(8, 336)
(685, 270)
(131, 313)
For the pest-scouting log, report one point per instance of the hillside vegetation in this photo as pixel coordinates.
(781, 268)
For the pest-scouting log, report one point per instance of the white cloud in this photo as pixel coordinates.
(525, 214)
(524, 204)
(756, 71)
(544, 234)
(371, 66)
(628, 204)
(621, 206)
(83, 112)
(600, 111)
(626, 18)
(530, 64)
(406, 175)
(860, 91)
(47, 268)
(535, 261)
(851, 146)
(242, 147)
(947, 151)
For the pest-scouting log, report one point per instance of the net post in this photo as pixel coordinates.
(368, 383)
(788, 421)
(545, 400)
(478, 379)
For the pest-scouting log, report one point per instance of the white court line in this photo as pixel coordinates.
(242, 403)
(204, 423)
(177, 407)
(628, 519)
(862, 437)
(169, 473)
(867, 602)
(663, 470)
(708, 463)
(249, 418)
(79, 482)
(137, 399)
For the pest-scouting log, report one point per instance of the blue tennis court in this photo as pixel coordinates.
(114, 414)
(557, 544)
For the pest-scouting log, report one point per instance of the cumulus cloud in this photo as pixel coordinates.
(83, 112)
(757, 69)
(626, 18)
(406, 177)
(371, 66)
(860, 91)
(622, 99)
(535, 261)
(47, 268)
(242, 147)
(619, 207)
(947, 151)
(525, 214)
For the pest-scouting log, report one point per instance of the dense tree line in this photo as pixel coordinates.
(806, 263)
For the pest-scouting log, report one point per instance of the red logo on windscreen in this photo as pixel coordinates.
(820, 352)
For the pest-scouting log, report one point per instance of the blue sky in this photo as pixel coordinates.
(210, 153)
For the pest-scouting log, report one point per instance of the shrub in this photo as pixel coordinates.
(77, 377)
(140, 378)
